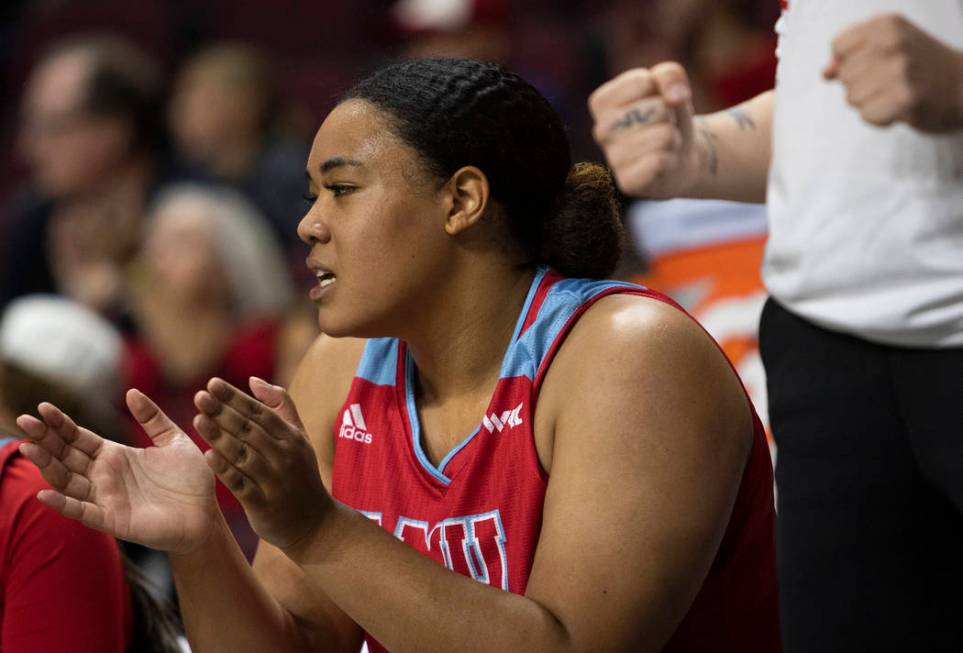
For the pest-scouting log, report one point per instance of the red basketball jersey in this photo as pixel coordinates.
(479, 512)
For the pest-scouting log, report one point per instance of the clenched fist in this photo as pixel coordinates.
(894, 72)
(644, 124)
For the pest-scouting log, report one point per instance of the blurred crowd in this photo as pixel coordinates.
(152, 176)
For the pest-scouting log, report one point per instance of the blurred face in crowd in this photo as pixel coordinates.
(376, 228)
(68, 150)
(208, 110)
(181, 253)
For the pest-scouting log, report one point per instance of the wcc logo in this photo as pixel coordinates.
(509, 419)
(353, 426)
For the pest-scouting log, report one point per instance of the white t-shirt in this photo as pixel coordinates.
(866, 224)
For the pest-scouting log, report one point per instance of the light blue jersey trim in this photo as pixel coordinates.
(438, 472)
(525, 352)
(5, 441)
(379, 362)
(564, 299)
(451, 454)
(416, 423)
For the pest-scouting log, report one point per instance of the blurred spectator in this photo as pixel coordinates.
(548, 45)
(54, 350)
(91, 135)
(209, 298)
(472, 29)
(226, 121)
(51, 566)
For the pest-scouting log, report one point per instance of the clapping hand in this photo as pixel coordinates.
(161, 496)
(260, 451)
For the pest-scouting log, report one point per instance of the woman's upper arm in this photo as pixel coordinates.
(652, 432)
(318, 389)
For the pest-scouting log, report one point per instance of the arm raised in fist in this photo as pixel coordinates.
(658, 148)
(895, 72)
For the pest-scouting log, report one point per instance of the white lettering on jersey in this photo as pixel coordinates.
(508, 419)
(472, 545)
(353, 426)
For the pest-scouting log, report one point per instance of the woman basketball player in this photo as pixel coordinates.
(578, 452)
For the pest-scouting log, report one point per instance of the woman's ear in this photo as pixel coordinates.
(468, 189)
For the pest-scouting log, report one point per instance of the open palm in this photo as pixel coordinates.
(162, 496)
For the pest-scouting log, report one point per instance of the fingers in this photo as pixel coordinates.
(644, 122)
(884, 32)
(249, 408)
(87, 513)
(277, 399)
(156, 424)
(56, 427)
(672, 82)
(58, 475)
(619, 124)
(57, 438)
(882, 111)
(851, 40)
(247, 447)
(877, 85)
(241, 443)
(869, 61)
(629, 87)
(240, 484)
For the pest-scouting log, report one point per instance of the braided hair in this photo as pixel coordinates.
(459, 112)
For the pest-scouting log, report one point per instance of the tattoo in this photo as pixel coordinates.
(634, 117)
(742, 118)
(710, 155)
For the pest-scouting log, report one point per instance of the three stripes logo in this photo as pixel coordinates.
(353, 426)
(509, 419)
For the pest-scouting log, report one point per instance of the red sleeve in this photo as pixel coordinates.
(62, 585)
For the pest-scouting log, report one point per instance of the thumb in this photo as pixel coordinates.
(156, 424)
(675, 89)
(831, 71)
(277, 399)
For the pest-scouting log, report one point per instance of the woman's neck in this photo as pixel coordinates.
(459, 351)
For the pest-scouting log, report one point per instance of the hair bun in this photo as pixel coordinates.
(584, 236)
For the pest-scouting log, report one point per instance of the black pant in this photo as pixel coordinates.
(869, 474)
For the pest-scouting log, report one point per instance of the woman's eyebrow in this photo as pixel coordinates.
(337, 162)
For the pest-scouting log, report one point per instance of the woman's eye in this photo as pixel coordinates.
(339, 189)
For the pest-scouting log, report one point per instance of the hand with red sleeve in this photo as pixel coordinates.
(161, 496)
(260, 451)
(895, 72)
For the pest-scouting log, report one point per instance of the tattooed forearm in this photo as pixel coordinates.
(742, 118)
(634, 117)
(709, 155)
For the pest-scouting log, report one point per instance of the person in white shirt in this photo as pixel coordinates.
(858, 152)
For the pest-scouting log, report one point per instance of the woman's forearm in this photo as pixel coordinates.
(223, 605)
(410, 603)
(734, 149)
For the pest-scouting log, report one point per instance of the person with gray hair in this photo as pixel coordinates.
(208, 297)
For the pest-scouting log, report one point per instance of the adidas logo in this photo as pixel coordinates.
(509, 419)
(353, 426)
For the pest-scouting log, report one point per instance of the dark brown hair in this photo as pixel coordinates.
(459, 112)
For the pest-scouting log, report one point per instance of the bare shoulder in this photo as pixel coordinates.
(320, 386)
(638, 351)
(639, 415)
